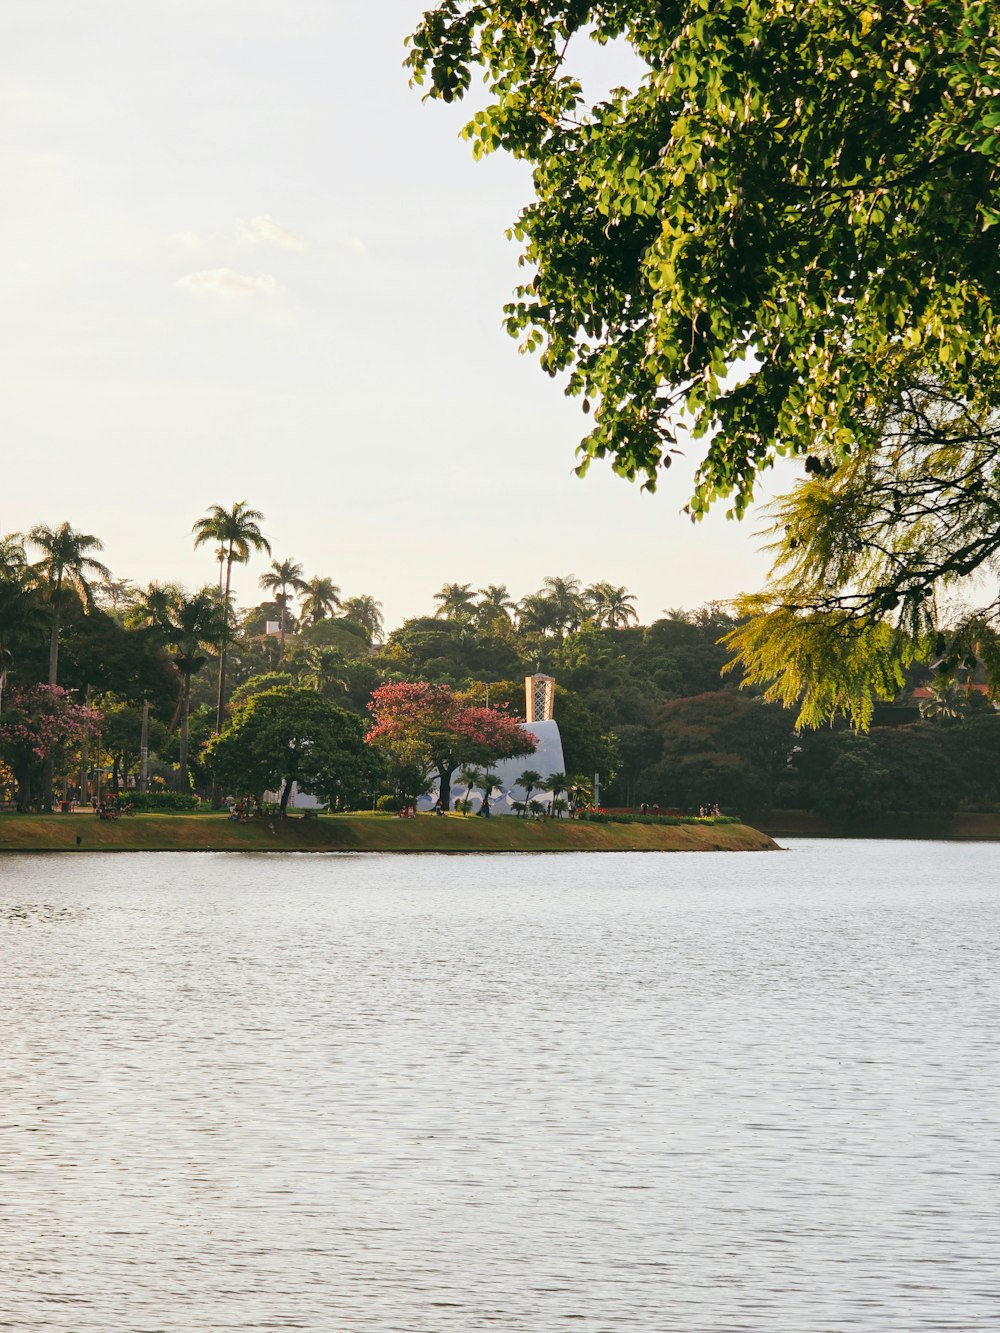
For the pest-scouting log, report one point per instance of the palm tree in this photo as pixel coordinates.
(65, 560)
(284, 577)
(151, 609)
(366, 612)
(539, 614)
(322, 669)
(489, 782)
(610, 605)
(558, 782)
(193, 623)
(567, 599)
(13, 561)
(530, 781)
(947, 701)
(457, 601)
(320, 598)
(472, 777)
(494, 606)
(237, 531)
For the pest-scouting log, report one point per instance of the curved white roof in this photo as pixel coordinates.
(547, 758)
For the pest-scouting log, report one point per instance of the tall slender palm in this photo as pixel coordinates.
(237, 530)
(65, 562)
(283, 578)
(320, 598)
(193, 623)
(457, 601)
(149, 612)
(365, 611)
(610, 605)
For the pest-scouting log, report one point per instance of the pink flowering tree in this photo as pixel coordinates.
(429, 729)
(37, 725)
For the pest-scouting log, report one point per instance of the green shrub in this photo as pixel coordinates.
(390, 805)
(160, 802)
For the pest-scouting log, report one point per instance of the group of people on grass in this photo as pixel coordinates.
(244, 809)
(113, 808)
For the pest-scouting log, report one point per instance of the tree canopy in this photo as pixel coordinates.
(36, 723)
(285, 735)
(782, 240)
(430, 728)
(793, 211)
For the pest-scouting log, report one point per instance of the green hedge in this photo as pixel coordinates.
(160, 802)
(660, 819)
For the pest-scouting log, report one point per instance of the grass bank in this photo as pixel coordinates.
(362, 833)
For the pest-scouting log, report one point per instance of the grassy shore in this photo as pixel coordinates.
(362, 833)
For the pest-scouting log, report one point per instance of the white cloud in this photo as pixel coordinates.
(189, 240)
(227, 282)
(264, 230)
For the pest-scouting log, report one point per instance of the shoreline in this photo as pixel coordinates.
(363, 833)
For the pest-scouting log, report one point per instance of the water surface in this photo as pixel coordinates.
(667, 1093)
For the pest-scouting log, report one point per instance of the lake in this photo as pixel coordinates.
(430, 1094)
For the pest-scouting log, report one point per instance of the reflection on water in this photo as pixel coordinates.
(435, 1094)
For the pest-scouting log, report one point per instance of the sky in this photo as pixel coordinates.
(245, 261)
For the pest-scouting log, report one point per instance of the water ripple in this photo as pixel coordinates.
(684, 1094)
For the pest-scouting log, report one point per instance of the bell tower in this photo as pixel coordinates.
(539, 694)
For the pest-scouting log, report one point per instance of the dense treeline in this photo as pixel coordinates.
(96, 673)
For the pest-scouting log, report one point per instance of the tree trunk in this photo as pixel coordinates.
(85, 756)
(48, 768)
(54, 642)
(144, 749)
(183, 781)
(220, 706)
(48, 777)
(445, 768)
(286, 792)
(22, 773)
